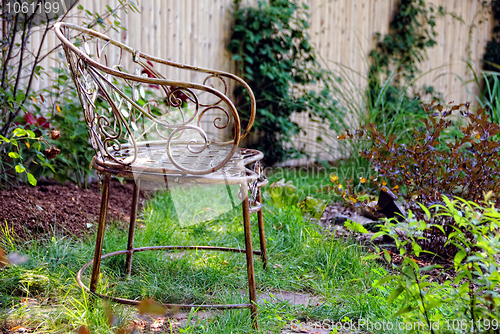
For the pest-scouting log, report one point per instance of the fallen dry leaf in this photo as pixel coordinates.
(52, 152)
(3, 259)
(55, 134)
(19, 329)
(151, 307)
(83, 330)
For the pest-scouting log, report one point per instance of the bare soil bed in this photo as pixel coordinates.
(51, 208)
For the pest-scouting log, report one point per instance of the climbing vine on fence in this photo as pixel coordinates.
(411, 33)
(491, 57)
(275, 56)
(395, 57)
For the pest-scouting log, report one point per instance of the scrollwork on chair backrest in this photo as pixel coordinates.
(123, 116)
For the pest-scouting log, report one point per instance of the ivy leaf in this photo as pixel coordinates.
(14, 155)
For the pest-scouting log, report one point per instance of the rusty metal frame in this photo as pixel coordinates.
(247, 210)
(118, 142)
(143, 249)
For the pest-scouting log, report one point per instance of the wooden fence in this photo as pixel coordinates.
(197, 31)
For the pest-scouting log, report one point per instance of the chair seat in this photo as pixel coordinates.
(153, 163)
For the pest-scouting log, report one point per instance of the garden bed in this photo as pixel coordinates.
(51, 208)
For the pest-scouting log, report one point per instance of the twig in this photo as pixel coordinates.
(9, 52)
(423, 302)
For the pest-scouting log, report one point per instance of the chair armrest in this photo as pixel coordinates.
(211, 73)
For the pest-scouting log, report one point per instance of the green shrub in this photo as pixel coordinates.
(73, 162)
(21, 149)
(282, 194)
(23, 111)
(461, 297)
(442, 159)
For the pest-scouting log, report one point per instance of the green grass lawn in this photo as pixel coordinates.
(42, 293)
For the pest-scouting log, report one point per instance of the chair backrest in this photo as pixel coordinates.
(126, 110)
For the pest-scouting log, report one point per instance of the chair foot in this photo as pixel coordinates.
(131, 229)
(262, 235)
(100, 234)
(250, 265)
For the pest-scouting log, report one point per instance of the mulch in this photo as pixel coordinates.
(54, 209)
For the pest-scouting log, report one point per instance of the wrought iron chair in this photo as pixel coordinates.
(159, 138)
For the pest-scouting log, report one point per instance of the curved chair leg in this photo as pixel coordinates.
(262, 234)
(100, 234)
(131, 229)
(249, 252)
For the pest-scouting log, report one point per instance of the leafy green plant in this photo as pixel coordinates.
(447, 158)
(467, 299)
(411, 32)
(282, 194)
(273, 50)
(76, 153)
(17, 158)
(22, 108)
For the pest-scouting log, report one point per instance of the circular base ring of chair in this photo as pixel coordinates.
(170, 306)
